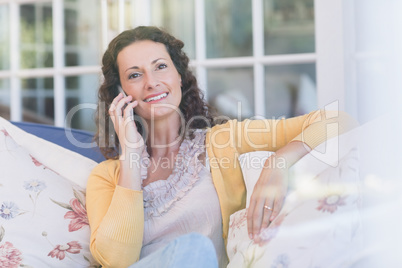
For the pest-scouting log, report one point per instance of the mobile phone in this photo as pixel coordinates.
(124, 95)
(122, 91)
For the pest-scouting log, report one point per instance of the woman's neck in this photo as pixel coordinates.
(164, 137)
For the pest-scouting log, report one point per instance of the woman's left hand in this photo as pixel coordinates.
(271, 188)
(267, 199)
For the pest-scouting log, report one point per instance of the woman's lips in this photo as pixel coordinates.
(155, 98)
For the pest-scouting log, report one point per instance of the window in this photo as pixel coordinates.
(251, 57)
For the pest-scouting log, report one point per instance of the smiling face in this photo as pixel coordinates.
(148, 74)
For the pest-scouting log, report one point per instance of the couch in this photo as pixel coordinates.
(43, 219)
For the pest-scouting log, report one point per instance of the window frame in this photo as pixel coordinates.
(329, 67)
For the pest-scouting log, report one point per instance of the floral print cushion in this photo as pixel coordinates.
(318, 226)
(43, 221)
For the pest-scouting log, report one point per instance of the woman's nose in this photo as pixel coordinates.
(150, 80)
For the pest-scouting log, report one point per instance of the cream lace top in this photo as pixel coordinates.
(185, 202)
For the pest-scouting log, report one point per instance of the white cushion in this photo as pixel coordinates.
(319, 224)
(42, 203)
(69, 164)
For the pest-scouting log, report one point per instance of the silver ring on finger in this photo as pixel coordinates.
(268, 208)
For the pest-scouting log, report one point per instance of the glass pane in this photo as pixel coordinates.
(38, 100)
(82, 33)
(132, 10)
(177, 17)
(230, 91)
(290, 90)
(135, 13)
(4, 38)
(71, 82)
(113, 17)
(288, 26)
(228, 28)
(36, 35)
(81, 100)
(5, 98)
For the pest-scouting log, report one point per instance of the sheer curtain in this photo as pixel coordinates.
(373, 57)
(373, 66)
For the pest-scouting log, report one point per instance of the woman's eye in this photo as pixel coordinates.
(162, 66)
(133, 75)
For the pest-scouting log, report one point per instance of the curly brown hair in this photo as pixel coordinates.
(192, 104)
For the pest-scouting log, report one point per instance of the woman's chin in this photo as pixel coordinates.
(162, 113)
(161, 110)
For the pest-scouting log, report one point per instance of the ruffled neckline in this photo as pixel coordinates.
(160, 195)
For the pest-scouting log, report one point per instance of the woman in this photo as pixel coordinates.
(171, 169)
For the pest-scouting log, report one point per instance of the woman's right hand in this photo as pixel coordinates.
(124, 125)
(131, 142)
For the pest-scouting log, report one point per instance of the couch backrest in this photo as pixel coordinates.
(71, 139)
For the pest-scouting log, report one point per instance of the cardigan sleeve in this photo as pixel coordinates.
(312, 129)
(116, 217)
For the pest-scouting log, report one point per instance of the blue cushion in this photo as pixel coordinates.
(59, 136)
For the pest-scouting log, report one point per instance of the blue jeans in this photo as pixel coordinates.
(191, 250)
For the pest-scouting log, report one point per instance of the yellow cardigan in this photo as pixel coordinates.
(116, 214)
